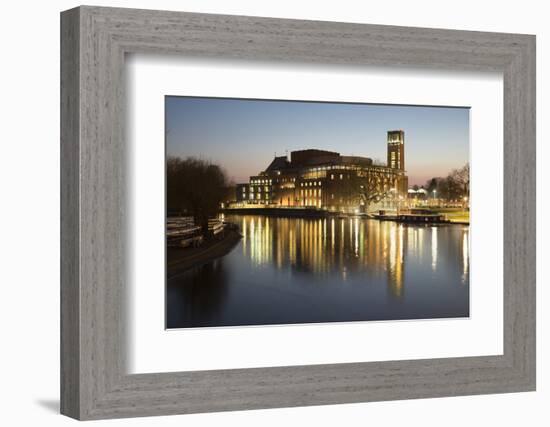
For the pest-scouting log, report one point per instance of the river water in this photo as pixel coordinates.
(301, 270)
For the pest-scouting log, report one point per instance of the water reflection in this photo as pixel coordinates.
(310, 245)
(434, 247)
(293, 270)
(465, 256)
(197, 299)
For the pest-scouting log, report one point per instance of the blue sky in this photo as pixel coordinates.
(243, 135)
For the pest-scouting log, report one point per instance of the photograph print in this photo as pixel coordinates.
(284, 212)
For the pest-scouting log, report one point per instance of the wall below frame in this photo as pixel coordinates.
(30, 309)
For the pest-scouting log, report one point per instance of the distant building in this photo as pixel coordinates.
(327, 180)
(421, 193)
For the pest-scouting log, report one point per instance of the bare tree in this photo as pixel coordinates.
(431, 185)
(373, 188)
(454, 186)
(195, 187)
(462, 179)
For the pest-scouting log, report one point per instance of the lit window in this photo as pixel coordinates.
(319, 183)
(331, 176)
(341, 176)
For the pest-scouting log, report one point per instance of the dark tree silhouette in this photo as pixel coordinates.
(454, 186)
(431, 185)
(461, 179)
(195, 187)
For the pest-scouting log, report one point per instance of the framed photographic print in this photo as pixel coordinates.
(314, 235)
(262, 213)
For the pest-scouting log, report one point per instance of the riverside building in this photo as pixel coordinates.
(330, 181)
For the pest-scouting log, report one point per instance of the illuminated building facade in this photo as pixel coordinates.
(328, 180)
(396, 149)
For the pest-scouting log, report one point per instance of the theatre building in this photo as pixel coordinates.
(330, 181)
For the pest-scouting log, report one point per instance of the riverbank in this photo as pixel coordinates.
(456, 216)
(428, 218)
(290, 212)
(179, 260)
(451, 216)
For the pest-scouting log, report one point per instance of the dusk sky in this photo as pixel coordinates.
(243, 136)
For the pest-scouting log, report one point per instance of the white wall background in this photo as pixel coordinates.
(29, 212)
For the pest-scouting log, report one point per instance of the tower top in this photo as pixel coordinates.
(396, 136)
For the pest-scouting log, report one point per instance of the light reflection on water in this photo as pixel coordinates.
(301, 270)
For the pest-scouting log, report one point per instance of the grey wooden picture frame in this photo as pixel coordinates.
(94, 381)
